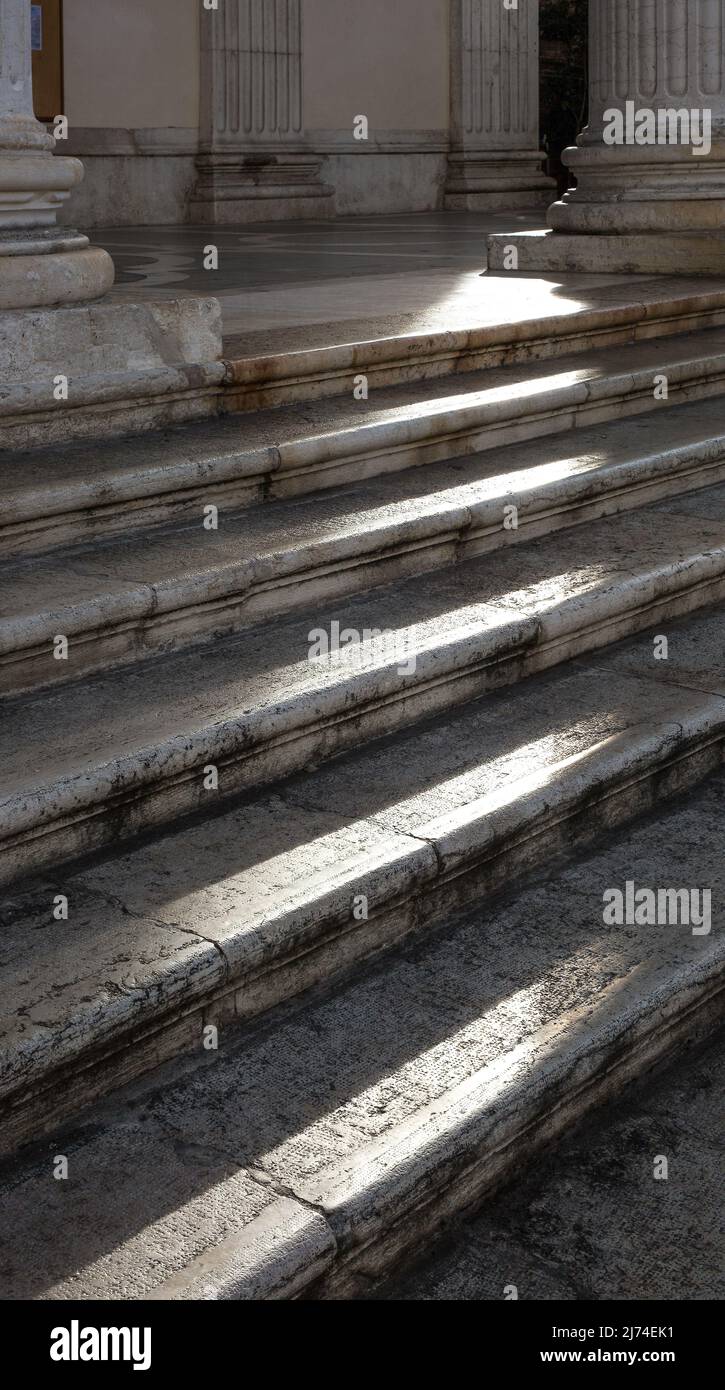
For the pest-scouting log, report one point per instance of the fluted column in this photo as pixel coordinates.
(650, 62)
(254, 162)
(495, 160)
(40, 264)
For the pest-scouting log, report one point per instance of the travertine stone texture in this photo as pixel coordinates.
(175, 585)
(257, 707)
(637, 253)
(588, 1222)
(308, 1156)
(127, 367)
(495, 161)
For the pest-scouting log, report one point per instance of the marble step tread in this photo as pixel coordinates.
(484, 327)
(78, 491)
(586, 1222)
(120, 600)
(308, 1156)
(492, 314)
(222, 919)
(109, 756)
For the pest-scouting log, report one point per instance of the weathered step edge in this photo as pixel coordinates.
(177, 489)
(331, 1236)
(123, 626)
(312, 944)
(122, 797)
(284, 378)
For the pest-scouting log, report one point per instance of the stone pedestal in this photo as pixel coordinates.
(254, 164)
(495, 160)
(650, 166)
(91, 371)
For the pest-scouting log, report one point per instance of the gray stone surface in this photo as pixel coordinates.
(695, 658)
(92, 491)
(420, 1080)
(590, 1222)
(631, 253)
(173, 586)
(135, 743)
(246, 909)
(38, 266)
(127, 366)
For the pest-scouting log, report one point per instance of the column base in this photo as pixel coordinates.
(667, 253)
(41, 270)
(640, 189)
(260, 187)
(128, 367)
(480, 181)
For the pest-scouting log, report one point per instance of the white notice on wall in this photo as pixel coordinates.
(36, 28)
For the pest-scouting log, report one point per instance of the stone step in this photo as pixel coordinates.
(219, 921)
(586, 1222)
(79, 492)
(306, 1157)
(122, 600)
(102, 759)
(493, 329)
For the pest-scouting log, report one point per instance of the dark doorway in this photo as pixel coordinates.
(564, 73)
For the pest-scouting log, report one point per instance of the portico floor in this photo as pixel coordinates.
(285, 286)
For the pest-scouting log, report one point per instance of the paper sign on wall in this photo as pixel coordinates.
(36, 28)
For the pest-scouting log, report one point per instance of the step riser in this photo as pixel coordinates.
(617, 792)
(106, 411)
(476, 1165)
(126, 802)
(296, 469)
(318, 374)
(454, 537)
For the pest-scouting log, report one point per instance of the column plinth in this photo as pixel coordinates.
(495, 160)
(41, 264)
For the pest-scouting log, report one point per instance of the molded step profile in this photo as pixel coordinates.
(140, 745)
(307, 1157)
(119, 602)
(642, 310)
(78, 492)
(224, 920)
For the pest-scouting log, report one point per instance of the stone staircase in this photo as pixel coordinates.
(375, 867)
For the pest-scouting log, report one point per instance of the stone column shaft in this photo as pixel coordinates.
(650, 56)
(495, 159)
(254, 162)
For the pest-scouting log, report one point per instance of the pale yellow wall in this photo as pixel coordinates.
(131, 63)
(385, 59)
